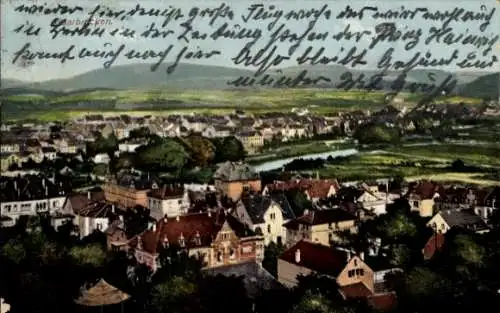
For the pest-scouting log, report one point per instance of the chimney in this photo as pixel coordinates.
(177, 218)
(297, 256)
(362, 256)
(165, 220)
(89, 195)
(121, 218)
(209, 213)
(139, 243)
(113, 208)
(348, 255)
(153, 227)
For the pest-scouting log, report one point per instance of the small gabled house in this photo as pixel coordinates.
(95, 216)
(321, 189)
(320, 226)
(374, 201)
(307, 258)
(265, 215)
(381, 268)
(353, 274)
(443, 221)
(421, 197)
(487, 204)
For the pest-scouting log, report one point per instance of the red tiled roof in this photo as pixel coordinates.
(383, 302)
(315, 187)
(425, 190)
(321, 217)
(320, 189)
(319, 258)
(80, 200)
(358, 290)
(198, 230)
(433, 244)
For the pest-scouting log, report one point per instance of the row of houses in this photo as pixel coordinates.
(232, 236)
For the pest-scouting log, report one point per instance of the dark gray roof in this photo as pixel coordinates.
(463, 219)
(256, 279)
(232, 171)
(256, 206)
(29, 187)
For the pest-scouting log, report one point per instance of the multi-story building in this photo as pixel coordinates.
(216, 238)
(232, 179)
(265, 215)
(168, 201)
(320, 226)
(252, 141)
(30, 195)
(128, 191)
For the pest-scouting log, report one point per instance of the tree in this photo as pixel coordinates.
(400, 255)
(271, 254)
(377, 134)
(467, 255)
(90, 255)
(298, 201)
(140, 277)
(103, 145)
(229, 149)
(172, 295)
(316, 284)
(139, 133)
(14, 250)
(214, 292)
(458, 165)
(201, 149)
(166, 154)
(312, 303)
(100, 170)
(422, 282)
(397, 227)
(124, 161)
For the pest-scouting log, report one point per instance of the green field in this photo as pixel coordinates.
(142, 102)
(478, 155)
(413, 163)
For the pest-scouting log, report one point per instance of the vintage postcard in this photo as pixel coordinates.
(320, 156)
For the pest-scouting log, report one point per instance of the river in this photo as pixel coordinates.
(277, 164)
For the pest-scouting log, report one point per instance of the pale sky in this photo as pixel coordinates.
(52, 69)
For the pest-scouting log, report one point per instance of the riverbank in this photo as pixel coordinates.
(413, 162)
(300, 149)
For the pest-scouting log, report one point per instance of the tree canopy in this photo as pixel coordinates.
(165, 154)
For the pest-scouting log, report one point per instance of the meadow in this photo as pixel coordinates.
(422, 162)
(164, 102)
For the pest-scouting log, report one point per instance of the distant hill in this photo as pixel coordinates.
(11, 83)
(487, 86)
(192, 76)
(140, 76)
